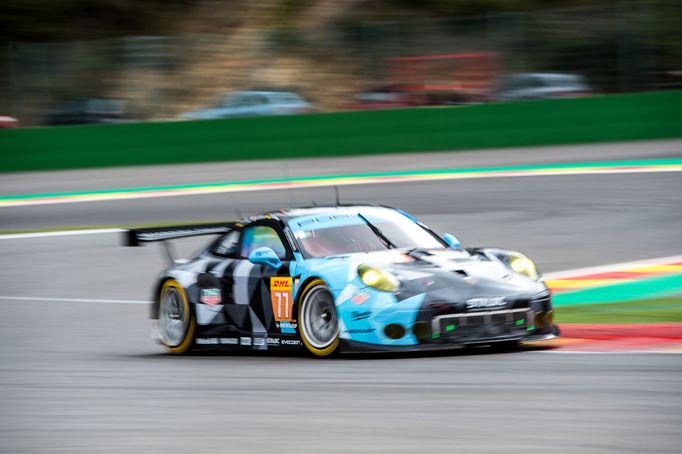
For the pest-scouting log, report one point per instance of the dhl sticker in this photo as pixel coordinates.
(282, 298)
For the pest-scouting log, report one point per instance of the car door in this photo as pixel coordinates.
(255, 104)
(262, 295)
(215, 110)
(235, 106)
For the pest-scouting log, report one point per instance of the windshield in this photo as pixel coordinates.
(365, 230)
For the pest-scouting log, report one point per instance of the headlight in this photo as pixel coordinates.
(521, 264)
(377, 278)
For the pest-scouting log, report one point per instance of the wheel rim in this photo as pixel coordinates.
(319, 322)
(173, 317)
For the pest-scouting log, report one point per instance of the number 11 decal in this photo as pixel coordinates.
(282, 299)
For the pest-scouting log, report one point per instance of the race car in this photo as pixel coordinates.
(342, 278)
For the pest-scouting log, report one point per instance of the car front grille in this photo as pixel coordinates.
(481, 326)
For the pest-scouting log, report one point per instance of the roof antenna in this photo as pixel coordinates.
(336, 192)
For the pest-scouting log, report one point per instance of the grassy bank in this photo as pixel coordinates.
(548, 122)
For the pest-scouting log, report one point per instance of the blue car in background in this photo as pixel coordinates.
(251, 103)
(342, 278)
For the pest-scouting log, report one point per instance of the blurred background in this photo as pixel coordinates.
(107, 61)
(552, 127)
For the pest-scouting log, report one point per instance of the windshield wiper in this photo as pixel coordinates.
(388, 243)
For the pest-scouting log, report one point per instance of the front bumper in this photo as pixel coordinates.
(357, 347)
(491, 326)
(462, 329)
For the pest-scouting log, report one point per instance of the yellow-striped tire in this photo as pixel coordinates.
(318, 320)
(176, 321)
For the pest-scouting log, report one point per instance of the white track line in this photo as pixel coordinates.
(18, 236)
(611, 268)
(615, 352)
(72, 300)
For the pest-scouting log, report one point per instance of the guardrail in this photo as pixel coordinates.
(547, 122)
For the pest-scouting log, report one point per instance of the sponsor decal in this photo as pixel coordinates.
(287, 327)
(360, 315)
(244, 341)
(360, 331)
(206, 341)
(272, 341)
(216, 340)
(494, 302)
(210, 296)
(346, 294)
(258, 341)
(290, 342)
(360, 296)
(282, 299)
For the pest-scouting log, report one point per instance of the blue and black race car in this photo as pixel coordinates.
(342, 278)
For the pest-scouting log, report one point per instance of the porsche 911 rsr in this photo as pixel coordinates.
(342, 278)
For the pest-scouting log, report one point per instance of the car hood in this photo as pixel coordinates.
(446, 274)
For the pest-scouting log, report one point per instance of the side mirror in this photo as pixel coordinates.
(452, 241)
(265, 256)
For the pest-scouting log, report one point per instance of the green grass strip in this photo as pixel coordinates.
(656, 310)
(639, 116)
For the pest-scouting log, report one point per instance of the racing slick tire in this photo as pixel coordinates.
(175, 319)
(318, 321)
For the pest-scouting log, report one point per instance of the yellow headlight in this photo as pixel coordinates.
(523, 265)
(378, 279)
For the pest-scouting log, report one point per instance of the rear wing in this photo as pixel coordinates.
(136, 237)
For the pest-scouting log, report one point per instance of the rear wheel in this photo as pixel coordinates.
(176, 322)
(318, 321)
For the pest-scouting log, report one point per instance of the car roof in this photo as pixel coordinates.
(332, 210)
(546, 76)
(286, 214)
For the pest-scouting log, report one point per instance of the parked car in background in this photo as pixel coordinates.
(251, 103)
(379, 98)
(81, 111)
(540, 86)
(8, 122)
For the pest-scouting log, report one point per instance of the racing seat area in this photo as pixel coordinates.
(262, 236)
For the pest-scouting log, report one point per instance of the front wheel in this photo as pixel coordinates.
(176, 322)
(318, 321)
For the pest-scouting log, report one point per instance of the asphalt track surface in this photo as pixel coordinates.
(83, 376)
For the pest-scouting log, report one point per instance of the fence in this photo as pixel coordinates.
(632, 46)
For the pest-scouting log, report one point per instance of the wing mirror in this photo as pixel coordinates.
(265, 256)
(452, 241)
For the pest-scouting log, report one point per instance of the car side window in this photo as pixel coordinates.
(237, 100)
(257, 100)
(258, 236)
(227, 245)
